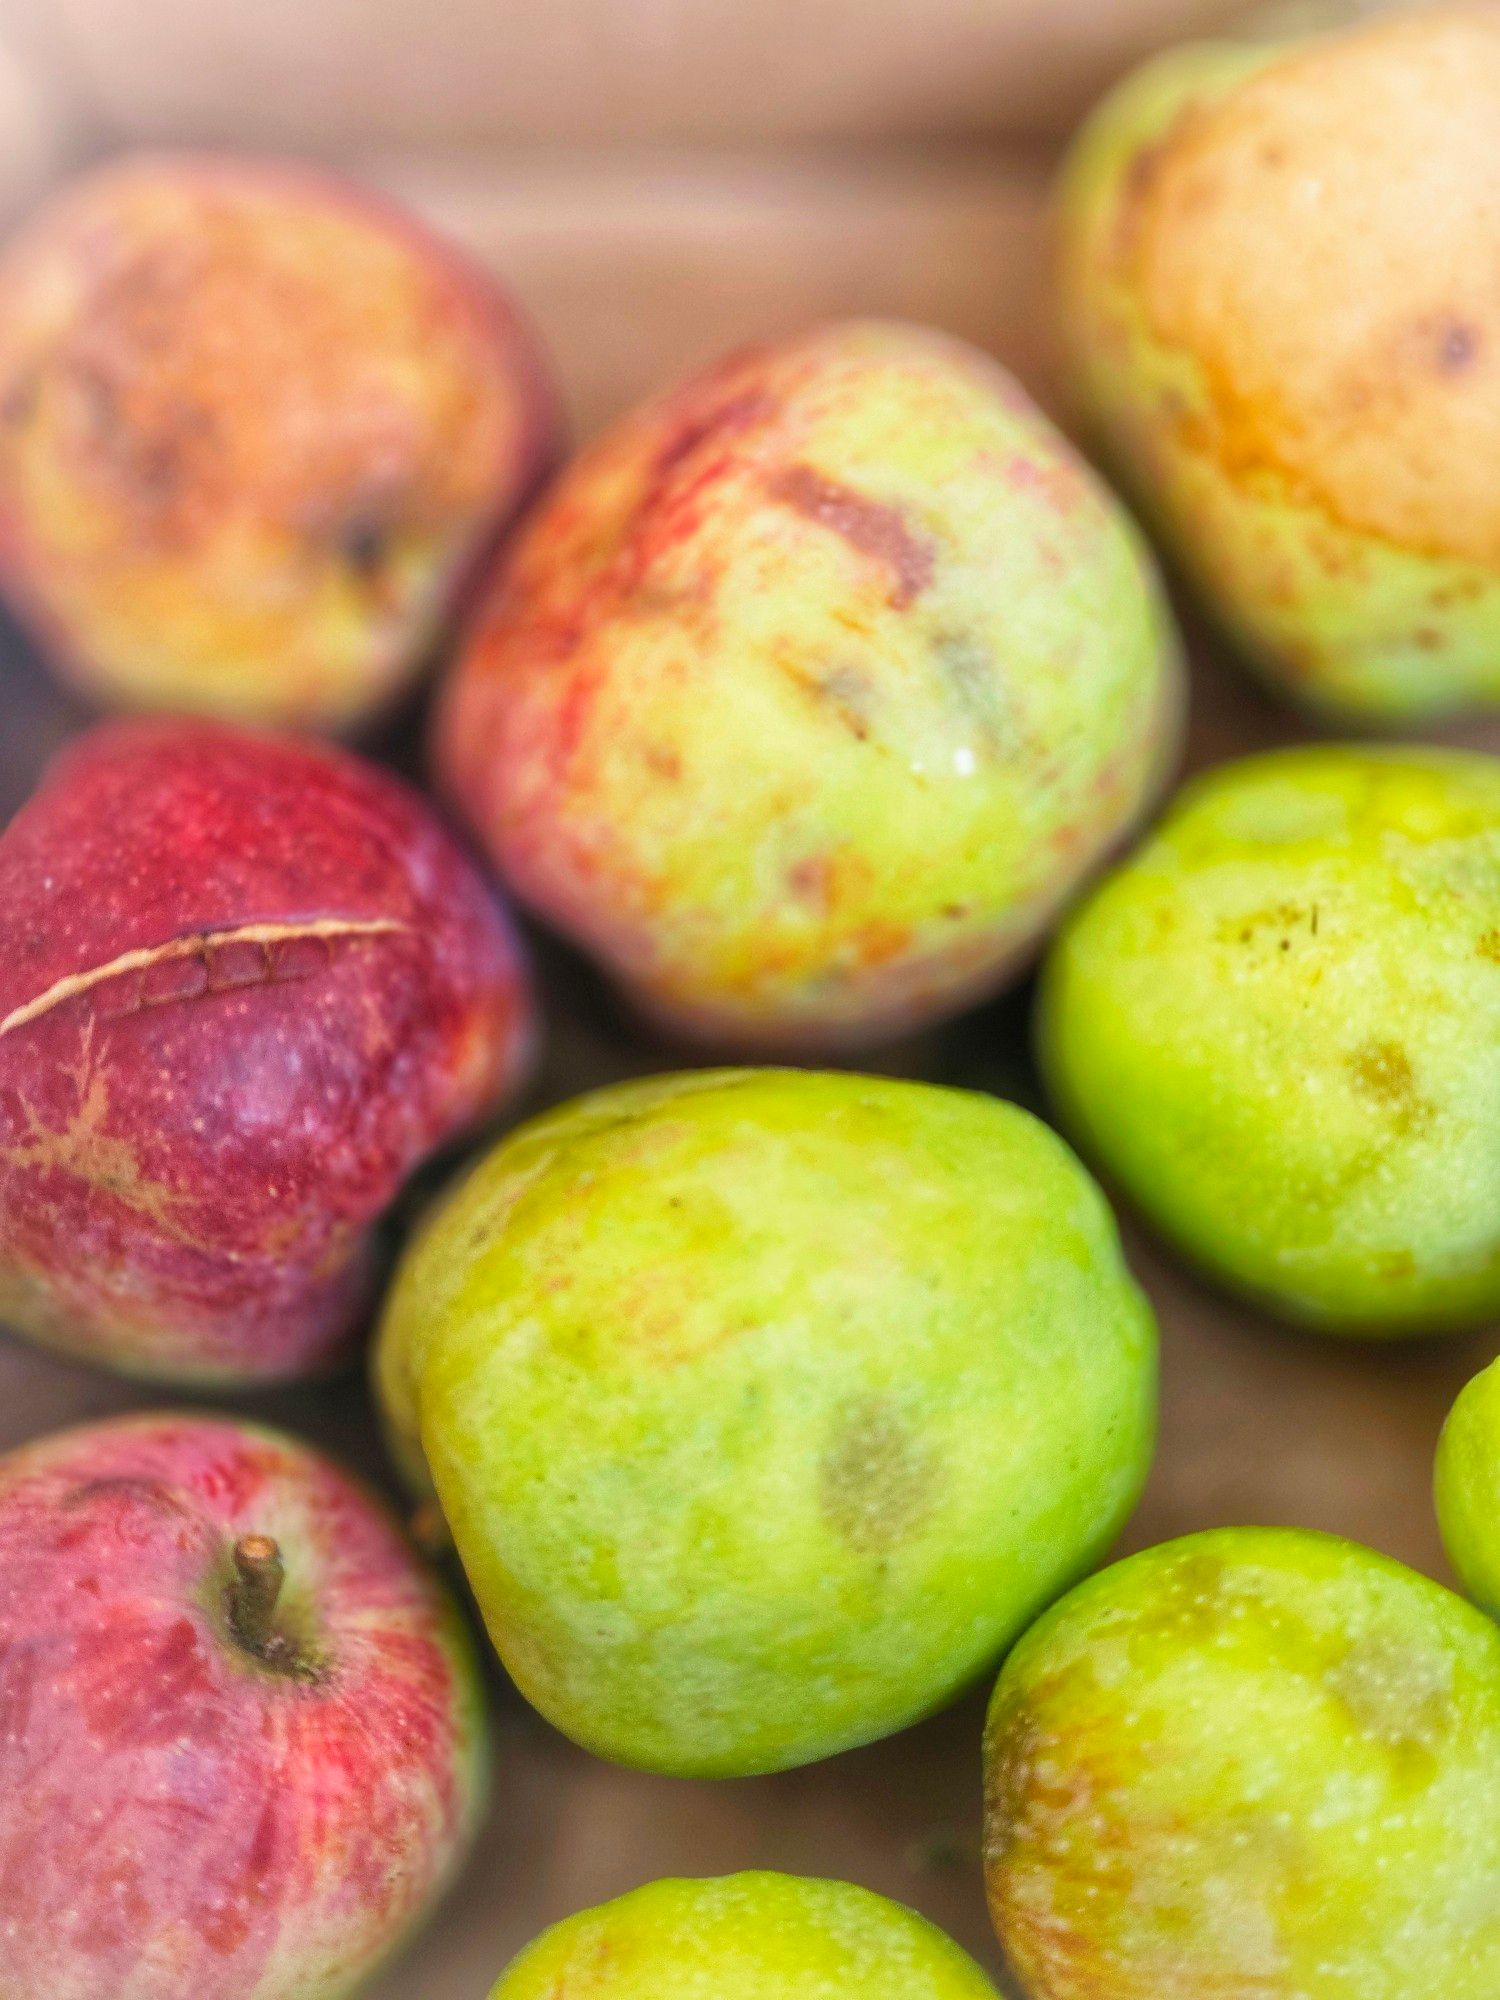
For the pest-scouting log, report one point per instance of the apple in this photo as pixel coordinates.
(257, 425)
(242, 1742)
(755, 1936)
(1258, 1763)
(1277, 1027)
(814, 689)
(1277, 287)
(766, 1408)
(1467, 1485)
(249, 985)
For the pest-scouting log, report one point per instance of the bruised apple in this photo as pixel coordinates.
(813, 690)
(1278, 286)
(767, 1407)
(256, 426)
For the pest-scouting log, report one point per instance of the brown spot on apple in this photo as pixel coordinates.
(876, 530)
(878, 1478)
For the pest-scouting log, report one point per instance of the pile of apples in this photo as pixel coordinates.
(764, 1408)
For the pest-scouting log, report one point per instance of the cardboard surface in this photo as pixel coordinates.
(1259, 1426)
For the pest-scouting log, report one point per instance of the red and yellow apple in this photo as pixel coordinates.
(814, 689)
(242, 1739)
(249, 984)
(256, 426)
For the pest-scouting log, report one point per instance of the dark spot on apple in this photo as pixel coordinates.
(874, 528)
(811, 880)
(1383, 1070)
(21, 400)
(967, 667)
(849, 692)
(878, 1478)
(1456, 346)
(365, 544)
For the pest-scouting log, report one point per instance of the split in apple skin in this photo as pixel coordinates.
(250, 985)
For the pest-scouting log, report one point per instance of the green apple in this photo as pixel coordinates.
(1278, 1026)
(767, 1407)
(745, 1937)
(1258, 1764)
(1468, 1488)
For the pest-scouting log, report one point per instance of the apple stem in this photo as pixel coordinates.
(259, 1574)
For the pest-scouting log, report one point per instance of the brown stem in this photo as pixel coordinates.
(258, 1576)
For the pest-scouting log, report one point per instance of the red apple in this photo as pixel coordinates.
(242, 1742)
(248, 985)
(256, 426)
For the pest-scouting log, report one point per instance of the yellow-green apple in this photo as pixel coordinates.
(1257, 1763)
(1468, 1488)
(1277, 1026)
(745, 1937)
(767, 1407)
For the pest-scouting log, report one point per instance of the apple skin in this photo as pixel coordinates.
(183, 1815)
(813, 689)
(756, 1936)
(257, 426)
(1467, 1484)
(249, 985)
(767, 1407)
(1255, 1762)
(1276, 286)
(1277, 1029)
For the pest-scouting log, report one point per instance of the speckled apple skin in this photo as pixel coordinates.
(1277, 1027)
(177, 1816)
(1256, 1764)
(767, 1407)
(248, 985)
(1277, 285)
(256, 427)
(1467, 1487)
(813, 689)
(756, 1936)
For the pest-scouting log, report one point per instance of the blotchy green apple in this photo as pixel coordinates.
(814, 688)
(1278, 1027)
(1278, 284)
(1257, 1764)
(767, 1407)
(1468, 1488)
(745, 1937)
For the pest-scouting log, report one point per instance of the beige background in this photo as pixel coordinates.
(658, 180)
